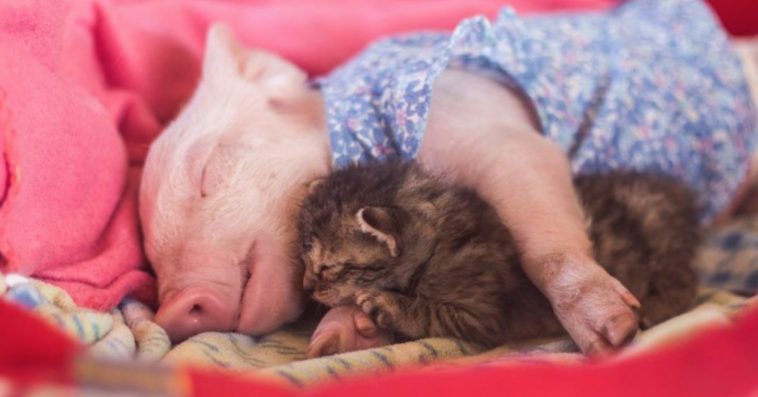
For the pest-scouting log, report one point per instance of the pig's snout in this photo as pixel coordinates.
(194, 311)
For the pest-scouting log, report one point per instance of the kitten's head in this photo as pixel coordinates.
(347, 248)
(366, 227)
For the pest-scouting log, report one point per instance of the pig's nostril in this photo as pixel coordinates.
(195, 311)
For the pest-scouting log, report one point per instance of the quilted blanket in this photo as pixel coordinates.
(727, 265)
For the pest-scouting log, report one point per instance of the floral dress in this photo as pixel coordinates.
(652, 85)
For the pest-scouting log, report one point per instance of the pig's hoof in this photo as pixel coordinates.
(610, 328)
(598, 313)
(364, 325)
(325, 345)
(379, 306)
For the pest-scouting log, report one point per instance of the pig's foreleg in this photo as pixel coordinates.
(527, 179)
(535, 197)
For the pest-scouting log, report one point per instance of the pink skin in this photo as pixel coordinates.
(221, 186)
(527, 178)
(218, 198)
(199, 300)
(217, 227)
(343, 329)
(197, 309)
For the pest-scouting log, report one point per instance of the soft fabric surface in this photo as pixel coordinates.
(739, 16)
(719, 361)
(85, 85)
(727, 264)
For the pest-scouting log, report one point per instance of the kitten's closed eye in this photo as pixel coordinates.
(336, 272)
(329, 271)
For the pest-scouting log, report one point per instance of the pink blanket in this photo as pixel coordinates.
(85, 85)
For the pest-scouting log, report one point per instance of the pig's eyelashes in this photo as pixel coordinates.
(203, 193)
(244, 266)
(222, 164)
(211, 178)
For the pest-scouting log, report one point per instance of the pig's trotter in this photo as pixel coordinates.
(324, 344)
(597, 311)
(364, 325)
(344, 329)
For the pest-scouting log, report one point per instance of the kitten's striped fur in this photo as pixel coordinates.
(424, 258)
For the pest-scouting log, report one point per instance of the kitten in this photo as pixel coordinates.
(424, 258)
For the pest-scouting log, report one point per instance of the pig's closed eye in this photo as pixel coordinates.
(211, 180)
(204, 191)
(223, 161)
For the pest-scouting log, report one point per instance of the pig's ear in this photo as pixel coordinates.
(222, 53)
(226, 57)
(380, 223)
(276, 75)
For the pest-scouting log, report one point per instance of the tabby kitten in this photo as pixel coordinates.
(424, 258)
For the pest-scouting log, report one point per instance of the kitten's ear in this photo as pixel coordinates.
(312, 185)
(380, 223)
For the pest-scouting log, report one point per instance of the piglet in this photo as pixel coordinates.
(219, 194)
(221, 188)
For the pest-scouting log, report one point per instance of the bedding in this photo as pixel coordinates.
(101, 78)
(727, 265)
(38, 360)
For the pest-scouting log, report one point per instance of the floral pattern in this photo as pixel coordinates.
(651, 85)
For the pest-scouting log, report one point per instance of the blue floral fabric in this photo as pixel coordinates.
(651, 85)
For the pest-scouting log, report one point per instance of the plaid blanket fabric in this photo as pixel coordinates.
(727, 264)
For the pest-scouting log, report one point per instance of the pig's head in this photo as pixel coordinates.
(220, 190)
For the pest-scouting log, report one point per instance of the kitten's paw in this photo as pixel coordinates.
(596, 310)
(380, 306)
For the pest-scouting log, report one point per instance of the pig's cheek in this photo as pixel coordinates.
(273, 295)
(268, 304)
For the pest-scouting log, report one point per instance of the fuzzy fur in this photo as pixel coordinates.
(456, 272)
